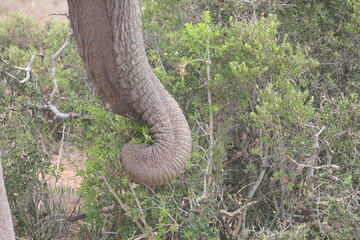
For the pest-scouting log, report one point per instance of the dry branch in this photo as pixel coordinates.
(239, 210)
(61, 115)
(77, 217)
(27, 67)
(142, 215)
(59, 14)
(125, 208)
(53, 67)
(210, 128)
(328, 166)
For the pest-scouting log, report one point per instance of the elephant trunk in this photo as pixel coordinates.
(131, 87)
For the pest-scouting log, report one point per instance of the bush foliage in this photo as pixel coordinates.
(271, 93)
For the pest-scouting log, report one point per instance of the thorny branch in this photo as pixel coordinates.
(59, 14)
(49, 106)
(210, 130)
(315, 149)
(239, 210)
(60, 152)
(146, 234)
(142, 215)
(27, 69)
(328, 173)
(330, 166)
(239, 213)
(53, 67)
(255, 186)
(61, 115)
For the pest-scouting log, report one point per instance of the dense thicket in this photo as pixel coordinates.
(270, 90)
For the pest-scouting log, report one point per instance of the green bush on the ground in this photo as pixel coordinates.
(272, 98)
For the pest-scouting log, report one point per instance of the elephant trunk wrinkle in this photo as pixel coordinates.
(116, 62)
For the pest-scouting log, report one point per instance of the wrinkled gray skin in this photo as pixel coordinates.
(6, 225)
(109, 37)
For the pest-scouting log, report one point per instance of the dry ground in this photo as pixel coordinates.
(69, 163)
(34, 8)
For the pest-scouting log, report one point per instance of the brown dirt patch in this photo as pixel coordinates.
(70, 163)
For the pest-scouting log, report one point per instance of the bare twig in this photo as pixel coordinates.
(10, 75)
(27, 68)
(50, 106)
(61, 147)
(257, 184)
(60, 154)
(145, 231)
(61, 115)
(254, 188)
(77, 217)
(318, 134)
(53, 67)
(3, 60)
(329, 174)
(210, 130)
(142, 215)
(315, 150)
(239, 210)
(59, 14)
(247, 185)
(43, 143)
(329, 166)
(142, 236)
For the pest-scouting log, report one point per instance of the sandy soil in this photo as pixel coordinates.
(70, 162)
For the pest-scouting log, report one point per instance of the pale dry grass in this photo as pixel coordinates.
(34, 8)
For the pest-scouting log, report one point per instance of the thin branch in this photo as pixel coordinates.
(61, 115)
(3, 60)
(77, 217)
(318, 134)
(260, 177)
(257, 184)
(247, 185)
(27, 68)
(53, 67)
(145, 232)
(239, 210)
(10, 75)
(142, 236)
(315, 149)
(60, 153)
(201, 127)
(59, 14)
(254, 188)
(210, 130)
(61, 147)
(329, 166)
(142, 215)
(43, 142)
